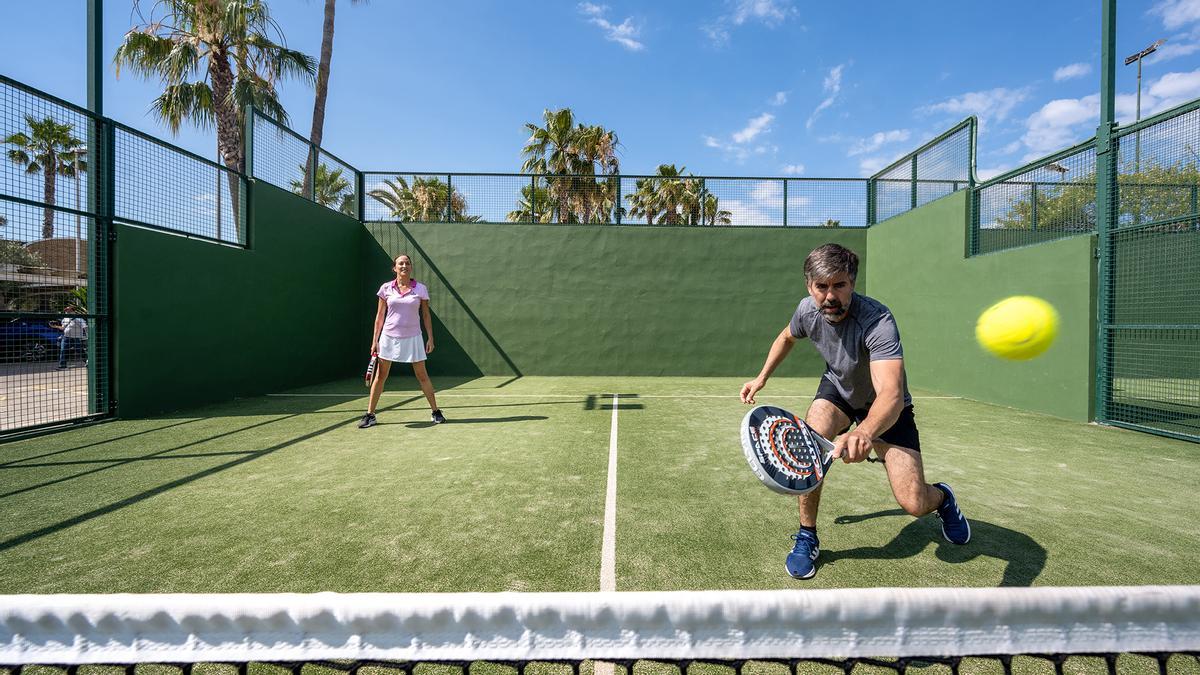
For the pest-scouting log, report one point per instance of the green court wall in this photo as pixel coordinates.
(604, 299)
(199, 322)
(917, 267)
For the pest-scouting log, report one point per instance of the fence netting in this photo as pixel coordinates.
(1150, 322)
(54, 312)
(940, 167)
(287, 160)
(700, 201)
(1048, 200)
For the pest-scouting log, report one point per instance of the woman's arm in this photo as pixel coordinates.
(428, 321)
(380, 314)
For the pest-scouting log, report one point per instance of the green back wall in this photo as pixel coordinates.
(917, 268)
(604, 300)
(200, 322)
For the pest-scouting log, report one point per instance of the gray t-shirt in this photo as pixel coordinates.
(868, 333)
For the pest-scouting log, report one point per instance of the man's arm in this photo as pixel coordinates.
(887, 376)
(779, 351)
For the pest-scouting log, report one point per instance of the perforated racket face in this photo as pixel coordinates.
(785, 454)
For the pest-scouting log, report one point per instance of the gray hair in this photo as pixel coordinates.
(828, 260)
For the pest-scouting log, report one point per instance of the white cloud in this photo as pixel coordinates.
(1058, 123)
(738, 145)
(991, 172)
(1062, 122)
(1176, 13)
(767, 12)
(871, 165)
(832, 87)
(770, 12)
(624, 33)
(877, 140)
(1072, 71)
(992, 104)
(1173, 50)
(753, 128)
(779, 98)
(792, 169)
(1171, 90)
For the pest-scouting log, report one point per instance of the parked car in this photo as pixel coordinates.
(27, 340)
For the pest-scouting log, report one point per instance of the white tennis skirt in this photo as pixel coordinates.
(402, 349)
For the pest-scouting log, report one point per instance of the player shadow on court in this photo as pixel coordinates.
(475, 420)
(1025, 557)
(119, 502)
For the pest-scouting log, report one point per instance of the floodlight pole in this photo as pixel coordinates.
(1137, 153)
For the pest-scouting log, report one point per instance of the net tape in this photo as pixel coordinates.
(726, 625)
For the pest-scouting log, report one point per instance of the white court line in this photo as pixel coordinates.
(453, 395)
(608, 546)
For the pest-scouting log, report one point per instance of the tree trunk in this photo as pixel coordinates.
(318, 120)
(229, 133)
(49, 171)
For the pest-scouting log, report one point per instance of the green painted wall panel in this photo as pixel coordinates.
(917, 268)
(200, 322)
(605, 300)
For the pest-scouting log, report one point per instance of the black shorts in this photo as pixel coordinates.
(903, 433)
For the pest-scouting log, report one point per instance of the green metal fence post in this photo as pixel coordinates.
(618, 179)
(449, 198)
(914, 181)
(870, 201)
(362, 196)
(533, 212)
(1033, 207)
(1194, 206)
(785, 202)
(248, 139)
(314, 158)
(1106, 166)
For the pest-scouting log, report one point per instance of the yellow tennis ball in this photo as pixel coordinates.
(1017, 328)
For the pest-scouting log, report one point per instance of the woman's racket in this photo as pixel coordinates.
(370, 376)
(784, 452)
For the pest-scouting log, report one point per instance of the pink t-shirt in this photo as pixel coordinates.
(403, 309)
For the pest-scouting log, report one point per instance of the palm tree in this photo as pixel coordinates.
(213, 57)
(711, 212)
(534, 206)
(50, 149)
(330, 187)
(322, 89)
(643, 202)
(424, 201)
(572, 156)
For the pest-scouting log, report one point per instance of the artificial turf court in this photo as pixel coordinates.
(284, 493)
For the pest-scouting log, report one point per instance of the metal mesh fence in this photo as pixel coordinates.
(284, 159)
(624, 200)
(1050, 199)
(53, 262)
(938, 168)
(161, 186)
(280, 156)
(1150, 314)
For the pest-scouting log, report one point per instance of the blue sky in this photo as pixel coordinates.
(723, 87)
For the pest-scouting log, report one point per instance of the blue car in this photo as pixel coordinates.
(27, 340)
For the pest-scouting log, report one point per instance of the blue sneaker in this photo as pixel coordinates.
(955, 527)
(802, 561)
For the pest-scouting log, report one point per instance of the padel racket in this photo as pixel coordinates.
(784, 452)
(370, 376)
